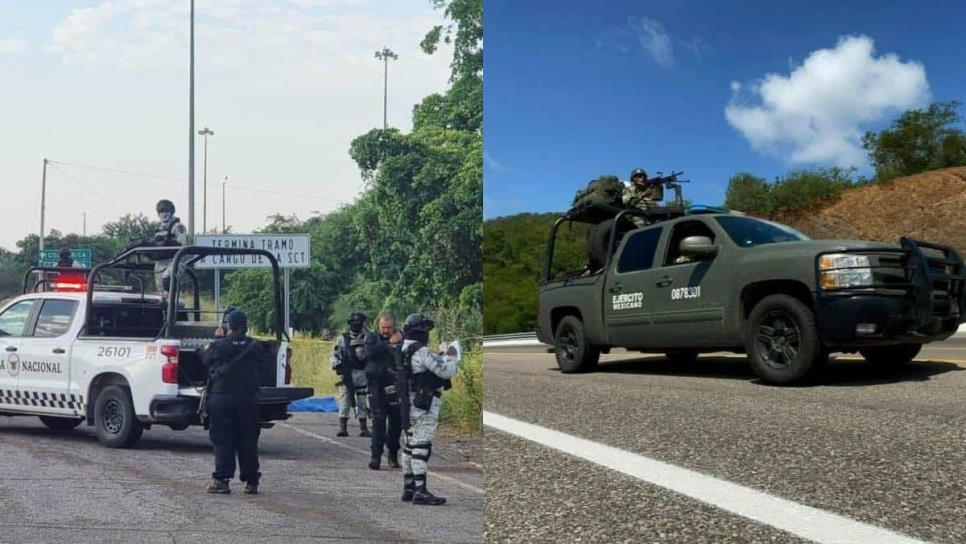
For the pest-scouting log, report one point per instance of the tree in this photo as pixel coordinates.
(917, 141)
(130, 228)
(748, 193)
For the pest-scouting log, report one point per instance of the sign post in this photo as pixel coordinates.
(290, 250)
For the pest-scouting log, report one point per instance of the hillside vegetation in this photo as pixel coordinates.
(928, 206)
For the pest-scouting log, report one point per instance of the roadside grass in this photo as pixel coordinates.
(462, 405)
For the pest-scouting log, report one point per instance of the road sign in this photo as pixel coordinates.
(291, 250)
(49, 257)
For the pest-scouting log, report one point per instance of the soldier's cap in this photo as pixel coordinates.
(418, 322)
(357, 316)
(237, 320)
(164, 205)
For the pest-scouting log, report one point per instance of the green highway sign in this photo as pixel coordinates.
(49, 257)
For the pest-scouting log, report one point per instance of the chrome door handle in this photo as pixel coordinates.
(11, 348)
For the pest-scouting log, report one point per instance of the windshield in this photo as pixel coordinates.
(748, 232)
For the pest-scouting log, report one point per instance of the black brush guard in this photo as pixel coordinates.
(921, 313)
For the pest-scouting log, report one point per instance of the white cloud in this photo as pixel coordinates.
(654, 39)
(12, 46)
(816, 113)
(309, 44)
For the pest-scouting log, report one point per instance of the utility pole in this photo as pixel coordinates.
(204, 192)
(43, 206)
(191, 130)
(84, 231)
(384, 56)
(223, 183)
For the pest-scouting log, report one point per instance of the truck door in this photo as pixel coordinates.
(627, 304)
(13, 323)
(687, 308)
(45, 356)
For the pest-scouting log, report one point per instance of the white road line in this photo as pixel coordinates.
(791, 517)
(328, 440)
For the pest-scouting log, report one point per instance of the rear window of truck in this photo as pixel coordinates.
(125, 320)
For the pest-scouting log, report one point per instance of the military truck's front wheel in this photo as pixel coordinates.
(573, 352)
(782, 341)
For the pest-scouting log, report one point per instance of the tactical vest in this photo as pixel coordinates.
(423, 380)
(163, 237)
(349, 353)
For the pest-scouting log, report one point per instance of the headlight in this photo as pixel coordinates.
(844, 270)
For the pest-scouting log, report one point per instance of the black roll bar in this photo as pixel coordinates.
(204, 251)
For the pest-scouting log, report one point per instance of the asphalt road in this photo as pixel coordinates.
(887, 448)
(64, 487)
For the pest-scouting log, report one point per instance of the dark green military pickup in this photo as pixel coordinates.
(700, 282)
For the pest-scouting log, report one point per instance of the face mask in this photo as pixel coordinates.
(356, 326)
(164, 216)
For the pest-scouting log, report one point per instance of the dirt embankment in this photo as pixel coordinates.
(929, 206)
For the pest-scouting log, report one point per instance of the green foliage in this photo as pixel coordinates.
(411, 242)
(799, 189)
(514, 252)
(749, 193)
(917, 141)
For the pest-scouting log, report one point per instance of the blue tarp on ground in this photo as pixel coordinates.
(314, 404)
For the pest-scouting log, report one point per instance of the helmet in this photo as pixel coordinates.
(638, 172)
(356, 316)
(164, 205)
(417, 323)
(64, 253)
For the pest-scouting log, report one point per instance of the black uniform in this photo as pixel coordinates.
(383, 399)
(233, 406)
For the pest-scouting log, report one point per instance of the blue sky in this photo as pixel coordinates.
(577, 89)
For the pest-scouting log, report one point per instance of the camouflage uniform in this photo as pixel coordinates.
(340, 354)
(418, 443)
(642, 196)
(172, 233)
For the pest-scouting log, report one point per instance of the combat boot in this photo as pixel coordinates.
(251, 488)
(363, 428)
(376, 462)
(219, 486)
(409, 488)
(393, 458)
(343, 430)
(423, 496)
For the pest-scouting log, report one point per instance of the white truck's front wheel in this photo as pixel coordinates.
(114, 419)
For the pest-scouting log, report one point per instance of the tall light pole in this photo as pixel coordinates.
(204, 192)
(43, 208)
(384, 56)
(191, 130)
(223, 183)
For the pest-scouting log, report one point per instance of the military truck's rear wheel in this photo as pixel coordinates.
(891, 356)
(573, 352)
(116, 423)
(782, 341)
(60, 423)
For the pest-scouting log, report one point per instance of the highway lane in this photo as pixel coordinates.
(64, 487)
(884, 447)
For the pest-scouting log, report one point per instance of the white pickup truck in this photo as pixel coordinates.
(73, 351)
